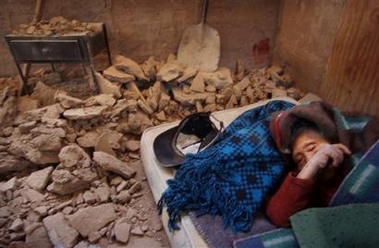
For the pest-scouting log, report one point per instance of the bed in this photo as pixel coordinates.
(359, 190)
(188, 235)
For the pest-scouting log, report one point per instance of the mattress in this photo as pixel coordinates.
(157, 175)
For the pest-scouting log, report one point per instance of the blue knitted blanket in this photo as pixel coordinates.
(232, 177)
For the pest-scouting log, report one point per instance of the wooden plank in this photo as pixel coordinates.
(351, 81)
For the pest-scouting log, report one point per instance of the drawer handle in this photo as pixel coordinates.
(46, 50)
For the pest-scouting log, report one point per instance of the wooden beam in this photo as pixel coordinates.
(37, 11)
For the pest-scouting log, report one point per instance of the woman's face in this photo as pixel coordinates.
(305, 146)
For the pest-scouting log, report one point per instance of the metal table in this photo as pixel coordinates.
(66, 48)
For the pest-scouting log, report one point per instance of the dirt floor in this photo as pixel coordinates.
(147, 203)
(78, 87)
(145, 220)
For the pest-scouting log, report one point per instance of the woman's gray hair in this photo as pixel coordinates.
(300, 126)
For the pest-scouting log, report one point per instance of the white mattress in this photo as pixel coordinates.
(157, 175)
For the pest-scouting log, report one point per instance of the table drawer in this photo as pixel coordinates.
(46, 50)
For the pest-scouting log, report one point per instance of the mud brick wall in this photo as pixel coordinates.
(305, 38)
(138, 29)
(331, 48)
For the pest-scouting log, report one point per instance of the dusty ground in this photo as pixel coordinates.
(147, 202)
(152, 235)
(70, 167)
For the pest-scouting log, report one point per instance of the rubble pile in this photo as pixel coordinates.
(166, 90)
(56, 26)
(70, 169)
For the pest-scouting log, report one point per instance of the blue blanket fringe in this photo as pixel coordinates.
(231, 177)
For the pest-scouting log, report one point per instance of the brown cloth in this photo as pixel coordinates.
(356, 131)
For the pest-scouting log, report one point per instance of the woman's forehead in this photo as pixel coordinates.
(305, 138)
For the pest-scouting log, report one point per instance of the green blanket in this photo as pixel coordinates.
(355, 225)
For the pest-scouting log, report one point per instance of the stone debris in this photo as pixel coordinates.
(123, 107)
(170, 71)
(116, 181)
(187, 73)
(149, 67)
(85, 113)
(132, 145)
(87, 221)
(123, 197)
(198, 84)
(8, 185)
(137, 231)
(26, 103)
(52, 111)
(74, 172)
(39, 179)
(88, 139)
(70, 169)
(41, 210)
(278, 92)
(112, 138)
(102, 193)
(16, 225)
(47, 93)
(101, 99)
(110, 163)
(3, 221)
(106, 87)
(5, 212)
(122, 230)
(31, 195)
(136, 187)
(103, 144)
(122, 185)
(141, 101)
(89, 197)
(38, 237)
(60, 232)
(57, 25)
(67, 101)
(33, 147)
(240, 70)
(8, 107)
(219, 79)
(10, 162)
(188, 99)
(130, 66)
(115, 75)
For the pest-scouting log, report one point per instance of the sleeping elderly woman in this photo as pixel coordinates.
(320, 163)
(232, 177)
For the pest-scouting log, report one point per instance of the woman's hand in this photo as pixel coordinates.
(328, 156)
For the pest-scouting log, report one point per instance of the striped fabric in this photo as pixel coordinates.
(279, 238)
(362, 183)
